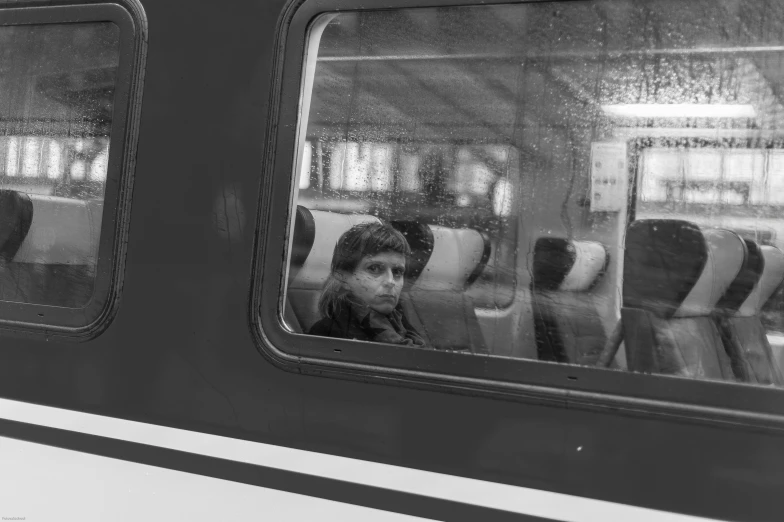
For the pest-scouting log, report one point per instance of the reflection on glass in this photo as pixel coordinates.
(57, 87)
(540, 159)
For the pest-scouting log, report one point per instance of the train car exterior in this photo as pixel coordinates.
(567, 304)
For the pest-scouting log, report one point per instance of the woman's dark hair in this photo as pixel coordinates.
(365, 239)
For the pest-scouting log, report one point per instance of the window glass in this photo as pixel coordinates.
(593, 183)
(57, 84)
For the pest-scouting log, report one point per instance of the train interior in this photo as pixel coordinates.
(56, 101)
(586, 183)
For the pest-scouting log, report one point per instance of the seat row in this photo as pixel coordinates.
(691, 302)
(691, 296)
(692, 299)
(444, 262)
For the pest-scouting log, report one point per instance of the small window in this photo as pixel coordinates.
(64, 93)
(593, 184)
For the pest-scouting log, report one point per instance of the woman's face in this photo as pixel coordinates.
(378, 280)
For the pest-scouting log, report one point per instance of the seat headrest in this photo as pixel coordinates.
(327, 227)
(302, 240)
(16, 215)
(673, 268)
(567, 265)
(63, 231)
(421, 241)
(726, 252)
(457, 258)
(744, 282)
(772, 275)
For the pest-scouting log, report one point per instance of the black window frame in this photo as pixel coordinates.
(37, 320)
(532, 381)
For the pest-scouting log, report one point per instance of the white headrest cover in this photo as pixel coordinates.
(772, 275)
(63, 231)
(590, 258)
(456, 254)
(725, 258)
(329, 227)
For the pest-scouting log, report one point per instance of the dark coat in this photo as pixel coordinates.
(363, 324)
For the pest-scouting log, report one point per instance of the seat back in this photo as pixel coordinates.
(63, 231)
(566, 319)
(444, 263)
(743, 334)
(674, 275)
(316, 233)
(770, 279)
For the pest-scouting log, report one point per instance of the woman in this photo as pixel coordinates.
(361, 294)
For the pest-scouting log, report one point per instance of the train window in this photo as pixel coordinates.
(64, 97)
(586, 183)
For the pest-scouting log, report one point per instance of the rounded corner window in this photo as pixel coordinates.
(533, 185)
(68, 95)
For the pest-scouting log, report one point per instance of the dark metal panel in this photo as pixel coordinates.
(181, 351)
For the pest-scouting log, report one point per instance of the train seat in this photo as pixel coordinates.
(744, 336)
(566, 320)
(16, 216)
(50, 248)
(63, 231)
(444, 263)
(316, 232)
(674, 275)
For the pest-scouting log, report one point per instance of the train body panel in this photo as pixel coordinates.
(165, 360)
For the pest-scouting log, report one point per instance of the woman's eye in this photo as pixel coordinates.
(397, 272)
(375, 269)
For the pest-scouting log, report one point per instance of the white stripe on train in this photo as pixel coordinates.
(527, 501)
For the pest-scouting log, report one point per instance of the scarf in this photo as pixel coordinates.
(393, 328)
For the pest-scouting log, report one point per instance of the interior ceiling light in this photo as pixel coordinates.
(679, 110)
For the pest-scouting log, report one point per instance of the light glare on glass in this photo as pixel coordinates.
(12, 159)
(679, 110)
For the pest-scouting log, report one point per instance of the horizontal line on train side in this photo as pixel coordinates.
(222, 470)
(694, 133)
(597, 54)
(449, 488)
(52, 474)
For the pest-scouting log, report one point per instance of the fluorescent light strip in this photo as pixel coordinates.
(679, 110)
